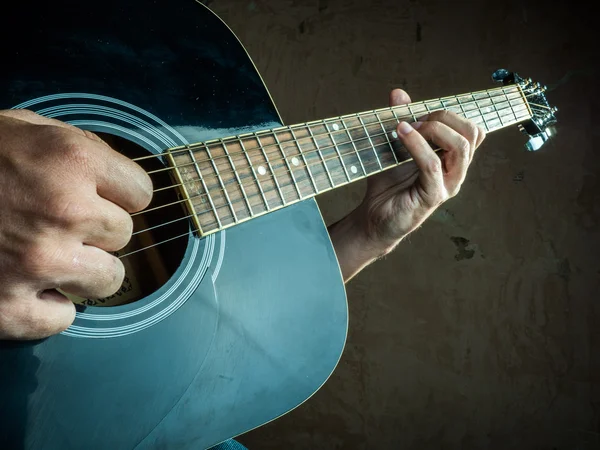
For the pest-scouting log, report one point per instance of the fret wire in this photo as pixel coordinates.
(496, 109)
(354, 146)
(519, 99)
(199, 172)
(508, 100)
(237, 178)
(310, 175)
(480, 113)
(222, 184)
(321, 155)
(462, 109)
(255, 177)
(369, 137)
(335, 146)
(510, 105)
(427, 107)
(410, 111)
(291, 172)
(386, 136)
(271, 169)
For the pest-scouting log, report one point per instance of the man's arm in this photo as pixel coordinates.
(400, 199)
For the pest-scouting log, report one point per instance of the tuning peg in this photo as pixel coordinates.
(555, 109)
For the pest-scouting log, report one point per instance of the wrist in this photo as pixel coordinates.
(356, 244)
(375, 229)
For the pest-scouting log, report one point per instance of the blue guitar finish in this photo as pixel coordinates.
(252, 321)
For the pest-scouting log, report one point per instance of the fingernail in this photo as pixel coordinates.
(416, 125)
(404, 128)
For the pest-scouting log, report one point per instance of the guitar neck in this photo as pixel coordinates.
(231, 180)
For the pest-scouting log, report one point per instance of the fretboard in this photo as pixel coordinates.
(228, 181)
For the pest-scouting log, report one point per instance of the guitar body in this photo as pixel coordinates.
(246, 324)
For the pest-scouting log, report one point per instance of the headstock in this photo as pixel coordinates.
(539, 127)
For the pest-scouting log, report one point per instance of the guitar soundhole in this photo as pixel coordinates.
(152, 256)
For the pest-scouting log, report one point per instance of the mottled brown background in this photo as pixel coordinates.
(481, 330)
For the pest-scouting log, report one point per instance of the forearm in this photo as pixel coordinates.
(354, 248)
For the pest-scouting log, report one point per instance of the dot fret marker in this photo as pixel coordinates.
(261, 170)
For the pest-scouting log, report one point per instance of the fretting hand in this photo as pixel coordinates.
(65, 197)
(400, 199)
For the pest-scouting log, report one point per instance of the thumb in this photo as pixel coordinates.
(399, 97)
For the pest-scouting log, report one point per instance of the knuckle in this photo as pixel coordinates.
(66, 211)
(123, 229)
(472, 132)
(68, 145)
(38, 260)
(443, 115)
(433, 126)
(434, 165)
(92, 136)
(464, 146)
(75, 151)
(118, 230)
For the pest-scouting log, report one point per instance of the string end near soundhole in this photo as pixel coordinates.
(181, 187)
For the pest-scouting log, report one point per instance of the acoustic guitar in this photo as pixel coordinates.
(233, 309)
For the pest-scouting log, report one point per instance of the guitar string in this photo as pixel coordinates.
(219, 171)
(280, 151)
(481, 116)
(287, 128)
(195, 231)
(507, 90)
(330, 135)
(197, 148)
(270, 178)
(281, 198)
(317, 163)
(252, 182)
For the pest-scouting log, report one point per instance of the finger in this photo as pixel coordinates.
(119, 179)
(430, 166)
(30, 315)
(108, 227)
(465, 127)
(457, 152)
(399, 97)
(89, 272)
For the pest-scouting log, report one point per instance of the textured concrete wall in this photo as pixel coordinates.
(481, 330)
